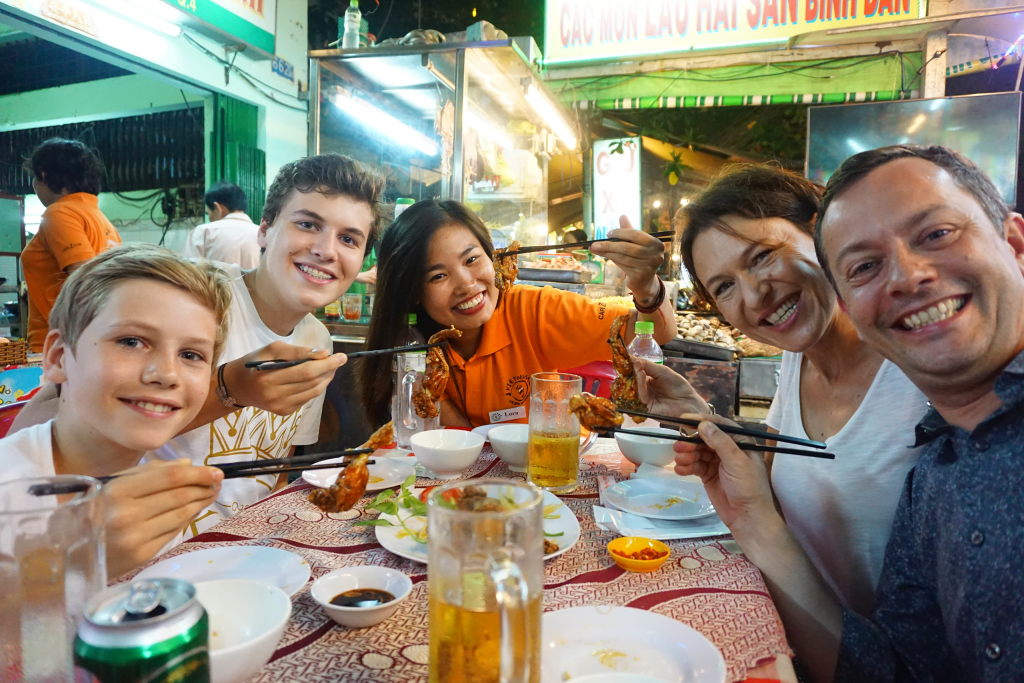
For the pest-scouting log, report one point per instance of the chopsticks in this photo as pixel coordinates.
(259, 471)
(577, 245)
(279, 364)
(294, 460)
(729, 429)
(743, 446)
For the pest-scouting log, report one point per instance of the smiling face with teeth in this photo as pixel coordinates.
(925, 275)
(765, 279)
(139, 373)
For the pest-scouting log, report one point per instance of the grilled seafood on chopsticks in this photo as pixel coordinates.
(624, 389)
(435, 377)
(595, 413)
(351, 483)
(506, 270)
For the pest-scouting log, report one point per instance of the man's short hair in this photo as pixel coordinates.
(228, 195)
(328, 174)
(86, 290)
(964, 172)
(67, 165)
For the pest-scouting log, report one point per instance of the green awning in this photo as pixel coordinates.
(745, 100)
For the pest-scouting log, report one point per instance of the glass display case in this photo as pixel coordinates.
(466, 121)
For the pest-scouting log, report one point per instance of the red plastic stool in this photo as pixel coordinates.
(601, 370)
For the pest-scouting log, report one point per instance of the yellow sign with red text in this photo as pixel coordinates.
(586, 30)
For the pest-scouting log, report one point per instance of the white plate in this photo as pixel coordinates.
(660, 498)
(391, 470)
(580, 641)
(394, 538)
(273, 566)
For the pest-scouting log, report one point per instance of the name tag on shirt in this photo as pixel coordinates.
(508, 414)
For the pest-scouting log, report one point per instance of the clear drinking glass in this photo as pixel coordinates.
(553, 460)
(52, 562)
(411, 367)
(486, 581)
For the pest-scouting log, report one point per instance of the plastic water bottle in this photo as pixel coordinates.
(353, 16)
(643, 345)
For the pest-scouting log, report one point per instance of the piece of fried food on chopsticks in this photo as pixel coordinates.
(595, 413)
(624, 389)
(351, 483)
(435, 377)
(506, 269)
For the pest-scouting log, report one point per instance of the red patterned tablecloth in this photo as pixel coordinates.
(707, 584)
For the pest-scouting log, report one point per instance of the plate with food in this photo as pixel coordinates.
(272, 566)
(585, 641)
(385, 473)
(405, 533)
(660, 498)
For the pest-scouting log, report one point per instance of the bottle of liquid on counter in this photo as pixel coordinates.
(353, 16)
(643, 345)
(332, 311)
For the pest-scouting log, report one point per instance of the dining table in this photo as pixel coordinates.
(707, 584)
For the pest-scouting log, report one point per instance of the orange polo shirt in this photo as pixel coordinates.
(533, 329)
(73, 229)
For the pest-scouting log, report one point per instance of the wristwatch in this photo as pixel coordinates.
(222, 390)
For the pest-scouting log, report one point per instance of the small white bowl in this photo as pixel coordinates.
(351, 578)
(247, 619)
(511, 442)
(647, 449)
(446, 451)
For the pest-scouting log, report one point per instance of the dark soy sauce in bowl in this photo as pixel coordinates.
(362, 597)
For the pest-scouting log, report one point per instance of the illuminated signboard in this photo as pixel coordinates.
(584, 30)
(250, 21)
(616, 175)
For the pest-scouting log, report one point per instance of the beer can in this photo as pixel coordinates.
(147, 631)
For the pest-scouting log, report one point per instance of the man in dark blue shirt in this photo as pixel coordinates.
(929, 263)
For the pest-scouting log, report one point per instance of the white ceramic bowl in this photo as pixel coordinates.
(510, 443)
(647, 449)
(446, 451)
(247, 619)
(365, 576)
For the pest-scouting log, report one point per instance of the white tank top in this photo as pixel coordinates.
(841, 510)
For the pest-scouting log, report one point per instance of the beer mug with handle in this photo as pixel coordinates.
(553, 460)
(410, 367)
(486, 581)
(52, 562)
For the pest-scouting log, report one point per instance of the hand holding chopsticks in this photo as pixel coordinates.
(742, 446)
(729, 429)
(665, 235)
(277, 364)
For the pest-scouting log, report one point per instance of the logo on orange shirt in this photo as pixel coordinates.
(600, 311)
(518, 389)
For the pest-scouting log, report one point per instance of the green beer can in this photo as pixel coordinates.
(146, 631)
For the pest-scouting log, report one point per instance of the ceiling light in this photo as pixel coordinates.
(488, 129)
(385, 124)
(657, 203)
(547, 111)
(684, 201)
(150, 13)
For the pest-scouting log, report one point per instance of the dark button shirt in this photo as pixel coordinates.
(950, 600)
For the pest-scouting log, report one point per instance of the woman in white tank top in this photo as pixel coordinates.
(747, 242)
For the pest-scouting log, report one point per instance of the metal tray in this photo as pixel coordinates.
(696, 349)
(554, 275)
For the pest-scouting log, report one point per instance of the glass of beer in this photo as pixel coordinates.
(553, 462)
(486, 581)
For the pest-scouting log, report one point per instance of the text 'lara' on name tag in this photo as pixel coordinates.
(508, 414)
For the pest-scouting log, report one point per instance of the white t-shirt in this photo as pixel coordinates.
(248, 434)
(27, 453)
(232, 239)
(841, 510)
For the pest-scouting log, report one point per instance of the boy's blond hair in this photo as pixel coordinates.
(86, 290)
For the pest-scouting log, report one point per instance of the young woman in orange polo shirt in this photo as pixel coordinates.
(435, 261)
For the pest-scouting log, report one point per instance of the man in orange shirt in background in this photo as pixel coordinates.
(66, 178)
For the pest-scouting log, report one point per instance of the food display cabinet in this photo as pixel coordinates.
(472, 122)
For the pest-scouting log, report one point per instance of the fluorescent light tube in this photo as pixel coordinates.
(488, 129)
(547, 111)
(385, 124)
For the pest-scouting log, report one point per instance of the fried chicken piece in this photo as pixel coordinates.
(624, 389)
(595, 413)
(506, 269)
(550, 547)
(435, 377)
(351, 483)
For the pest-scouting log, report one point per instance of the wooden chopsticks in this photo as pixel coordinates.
(577, 245)
(729, 429)
(742, 446)
(281, 364)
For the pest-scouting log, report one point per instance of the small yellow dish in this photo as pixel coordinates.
(634, 544)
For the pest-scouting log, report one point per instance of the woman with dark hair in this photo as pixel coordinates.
(435, 260)
(66, 178)
(747, 242)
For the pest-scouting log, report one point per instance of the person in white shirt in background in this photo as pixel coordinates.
(747, 242)
(134, 337)
(230, 236)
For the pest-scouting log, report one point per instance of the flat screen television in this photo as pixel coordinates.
(984, 128)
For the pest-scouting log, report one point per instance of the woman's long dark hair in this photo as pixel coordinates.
(401, 260)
